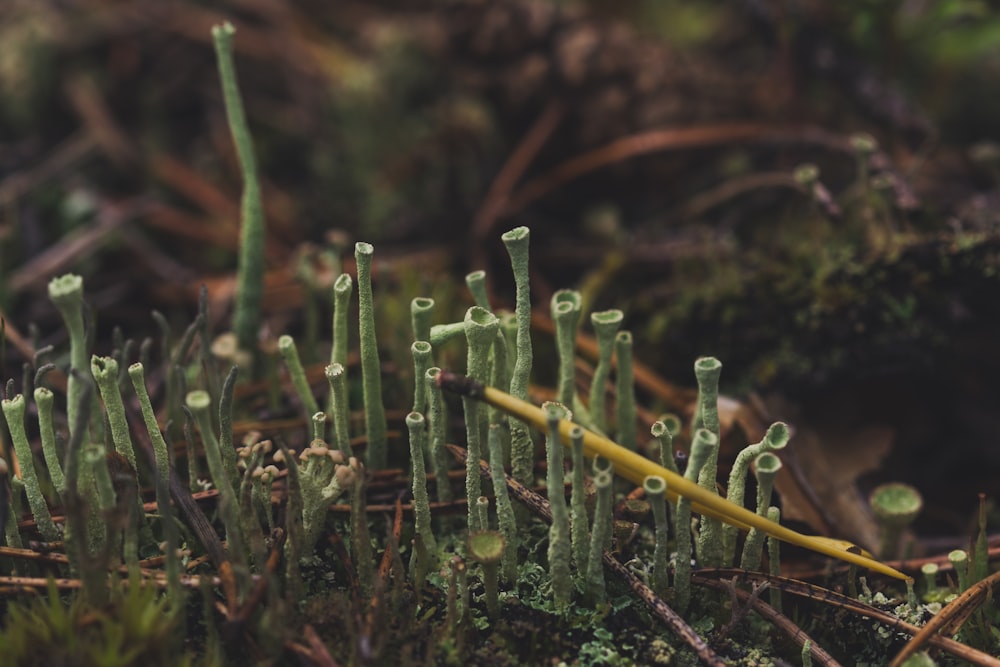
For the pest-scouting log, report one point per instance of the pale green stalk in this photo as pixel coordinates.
(664, 433)
(323, 476)
(94, 459)
(13, 411)
(421, 310)
(44, 399)
(604, 482)
(625, 388)
(371, 372)
(439, 434)
(250, 270)
(336, 376)
(656, 489)
(361, 543)
(560, 542)
(105, 371)
(959, 559)
(480, 332)
(522, 447)
(476, 282)
(707, 371)
(342, 289)
(508, 328)
(66, 292)
(664, 436)
(766, 467)
(442, 333)
(578, 499)
(505, 511)
(422, 353)
(704, 444)
(605, 325)
(198, 402)
(161, 457)
(483, 511)
(566, 314)
(290, 354)
(417, 427)
(776, 438)
(319, 426)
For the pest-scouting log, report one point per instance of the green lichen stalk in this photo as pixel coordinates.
(560, 547)
(339, 410)
(13, 411)
(487, 547)
(422, 356)
(417, 427)
(198, 402)
(324, 475)
(438, 434)
(290, 354)
(895, 507)
(601, 534)
(578, 504)
(161, 458)
(959, 559)
(250, 271)
(605, 325)
(371, 375)
(476, 282)
(480, 332)
(521, 445)
(704, 444)
(45, 399)
(656, 489)
(776, 438)
(505, 511)
(94, 459)
(421, 310)
(625, 388)
(105, 371)
(343, 287)
(766, 467)
(66, 292)
(566, 315)
(707, 371)
(664, 436)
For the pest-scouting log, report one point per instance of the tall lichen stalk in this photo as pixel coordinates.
(250, 271)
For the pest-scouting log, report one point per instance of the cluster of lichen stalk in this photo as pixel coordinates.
(499, 354)
(96, 475)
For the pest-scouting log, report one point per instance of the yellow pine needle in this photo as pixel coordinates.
(636, 468)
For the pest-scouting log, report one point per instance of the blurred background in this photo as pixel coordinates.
(805, 189)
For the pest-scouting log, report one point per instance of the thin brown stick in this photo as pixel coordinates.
(655, 603)
(775, 617)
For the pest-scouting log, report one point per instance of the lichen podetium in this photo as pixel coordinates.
(636, 468)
